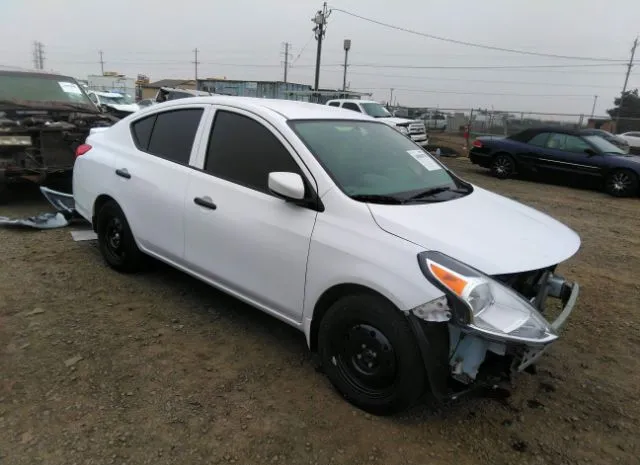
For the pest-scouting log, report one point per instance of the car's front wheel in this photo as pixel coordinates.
(370, 354)
(621, 183)
(503, 166)
(116, 241)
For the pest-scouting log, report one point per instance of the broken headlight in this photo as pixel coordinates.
(483, 304)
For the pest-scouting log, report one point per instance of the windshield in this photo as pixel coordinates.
(376, 110)
(41, 88)
(372, 159)
(603, 145)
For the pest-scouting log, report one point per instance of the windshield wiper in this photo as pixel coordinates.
(377, 198)
(433, 191)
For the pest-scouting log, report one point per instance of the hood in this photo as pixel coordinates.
(124, 107)
(629, 157)
(487, 231)
(395, 121)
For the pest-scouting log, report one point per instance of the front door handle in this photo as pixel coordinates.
(205, 202)
(123, 173)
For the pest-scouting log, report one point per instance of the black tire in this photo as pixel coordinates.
(116, 242)
(621, 183)
(370, 354)
(503, 166)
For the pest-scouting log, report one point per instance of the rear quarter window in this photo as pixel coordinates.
(141, 132)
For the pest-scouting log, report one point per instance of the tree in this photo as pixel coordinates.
(630, 109)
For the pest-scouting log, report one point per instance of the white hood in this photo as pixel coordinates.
(489, 232)
(127, 107)
(393, 120)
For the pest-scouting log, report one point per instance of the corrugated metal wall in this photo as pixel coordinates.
(278, 90)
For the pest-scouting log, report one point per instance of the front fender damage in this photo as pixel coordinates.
(459, 361)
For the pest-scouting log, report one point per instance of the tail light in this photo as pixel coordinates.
(477, 144)
(82, 149)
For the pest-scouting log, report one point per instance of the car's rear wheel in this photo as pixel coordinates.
(370, 354)
(503, 166)
(621, 183)
(116, 242)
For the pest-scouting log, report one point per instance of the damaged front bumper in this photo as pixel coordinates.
(476, 359)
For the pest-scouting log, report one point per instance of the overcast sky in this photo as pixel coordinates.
(242, 39)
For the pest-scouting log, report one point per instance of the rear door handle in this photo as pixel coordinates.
(123, 173)
(205, 202)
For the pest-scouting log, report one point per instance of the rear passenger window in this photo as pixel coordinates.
(141, 131)
(334, 104)
(243, 151)
(173, 134)
(351, 106)
(539, 140)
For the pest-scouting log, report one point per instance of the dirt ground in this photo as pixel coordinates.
(102, 368)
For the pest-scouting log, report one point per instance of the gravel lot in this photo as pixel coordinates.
(102, 368)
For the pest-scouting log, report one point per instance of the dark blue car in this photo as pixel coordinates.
(559, 151)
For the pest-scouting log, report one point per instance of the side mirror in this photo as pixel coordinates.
(289, 186)
(590, 152)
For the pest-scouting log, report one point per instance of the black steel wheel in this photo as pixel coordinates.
(503, 166)
(621, 183)
(117, 244)
(370, 354)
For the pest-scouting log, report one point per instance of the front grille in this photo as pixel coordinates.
(416, 128)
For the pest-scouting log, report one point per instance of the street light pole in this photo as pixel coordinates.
(347, 47)
(593, 109)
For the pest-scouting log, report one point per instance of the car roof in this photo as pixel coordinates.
(288, 109)
(6, 71)
(354, 100)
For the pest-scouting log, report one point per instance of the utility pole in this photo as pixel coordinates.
(626, 80)
(347, 47)
(101, 63)
(320, 20)
(391, 98)
(593, 108)
(286, 59)
(38, 55)
(196, 63)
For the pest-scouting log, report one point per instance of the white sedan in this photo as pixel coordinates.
(402, 276)
(634, 140)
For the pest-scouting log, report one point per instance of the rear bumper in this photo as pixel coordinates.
(480, 158)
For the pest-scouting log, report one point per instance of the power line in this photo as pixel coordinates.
(303, 48)
(473, 44)
(488, 81)
(378, 65)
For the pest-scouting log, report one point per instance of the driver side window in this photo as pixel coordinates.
(243, 151)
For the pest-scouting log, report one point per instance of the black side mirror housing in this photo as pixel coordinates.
(590, 152)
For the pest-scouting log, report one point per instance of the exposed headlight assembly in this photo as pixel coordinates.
(403, 129)
(482, 304)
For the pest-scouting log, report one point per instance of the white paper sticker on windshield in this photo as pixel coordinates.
(425, 160)
(69, 87)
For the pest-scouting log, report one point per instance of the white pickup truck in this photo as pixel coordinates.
(414, 129)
